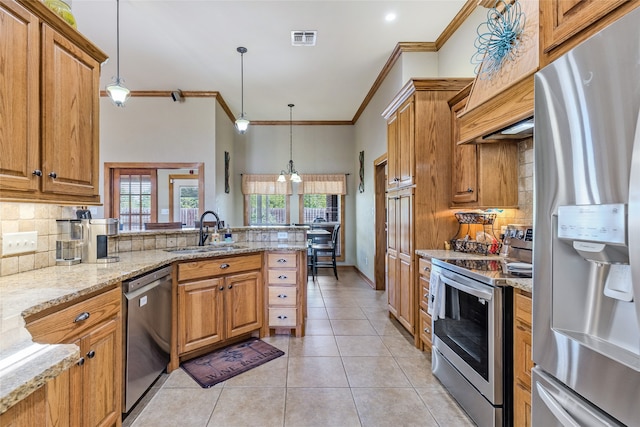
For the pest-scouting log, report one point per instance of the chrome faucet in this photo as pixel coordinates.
(202, 237)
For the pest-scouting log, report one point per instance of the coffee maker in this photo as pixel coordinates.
(69, 242)
(96, 234)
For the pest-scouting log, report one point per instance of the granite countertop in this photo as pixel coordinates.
(520, 283)
(25, 365)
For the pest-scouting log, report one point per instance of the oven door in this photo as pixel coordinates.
(469, 336)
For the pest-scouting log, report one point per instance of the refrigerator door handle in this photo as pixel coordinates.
(633, 214)
(554, 406)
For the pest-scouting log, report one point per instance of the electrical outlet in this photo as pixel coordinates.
(19, 243)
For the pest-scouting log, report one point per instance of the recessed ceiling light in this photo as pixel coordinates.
(390, 17)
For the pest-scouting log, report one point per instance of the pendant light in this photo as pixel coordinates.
(291, 169)
(116, 91)
(241, 122)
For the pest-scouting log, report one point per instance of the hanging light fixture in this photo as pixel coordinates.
(116, 90)
(291, 169)
(241, 122)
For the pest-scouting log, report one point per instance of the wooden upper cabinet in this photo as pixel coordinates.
(400, 145)
(19, 108)
(70, 132)
(464, 169)
(49, 122)
(565, 23)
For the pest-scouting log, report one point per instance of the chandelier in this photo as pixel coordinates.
(291, 169)
(116, 90)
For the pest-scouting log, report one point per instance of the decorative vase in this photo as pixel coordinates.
(63, 9)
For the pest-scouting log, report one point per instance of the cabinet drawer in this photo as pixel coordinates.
(286, 317)
(523, 309)
(282, 295)
(282, 277)
(68, 324)
(424, 293)
(425, 328)
(424, 268)
(288, 260)
(218, 266)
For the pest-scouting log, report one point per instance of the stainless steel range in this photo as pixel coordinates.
(472, 326)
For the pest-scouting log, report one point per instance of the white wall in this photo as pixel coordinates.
(153, 129)
(455, 55)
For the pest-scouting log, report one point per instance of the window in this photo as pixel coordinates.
(136, 195)
(268, 209)
(266, 201)
(325, 206)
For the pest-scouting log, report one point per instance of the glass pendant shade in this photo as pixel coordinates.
(242, 124)
(295, 177)
(118, 93)
(282, 177)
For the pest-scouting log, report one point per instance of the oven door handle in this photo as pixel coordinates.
(469, 289)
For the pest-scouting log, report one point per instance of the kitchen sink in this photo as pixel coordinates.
(206, 249)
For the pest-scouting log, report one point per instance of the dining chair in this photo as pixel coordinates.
(326, 250)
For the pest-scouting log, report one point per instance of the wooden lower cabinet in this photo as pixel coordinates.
(48, 406)
(425, 321)
(286, 292)
(522, 355)
(214, 309)
(94, 388)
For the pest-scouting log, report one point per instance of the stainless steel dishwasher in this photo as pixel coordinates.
(147, 331)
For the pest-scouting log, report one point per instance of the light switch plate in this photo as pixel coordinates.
(19, 243)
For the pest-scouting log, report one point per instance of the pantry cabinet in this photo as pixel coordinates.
(95, 383)
(523, 360)
(566, 23)
(483, 175)
(50, 141)
(218, 299)
(286, 292)
(418, 196)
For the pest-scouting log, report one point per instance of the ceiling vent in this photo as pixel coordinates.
(303, 38)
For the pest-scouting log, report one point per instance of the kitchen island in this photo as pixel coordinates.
(26, 366)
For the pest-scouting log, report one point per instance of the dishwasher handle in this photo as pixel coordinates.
(144, 279)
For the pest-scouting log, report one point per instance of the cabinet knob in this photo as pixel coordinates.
(223, 266)
(91, 354)
(53, 175)
(282, 317)
(427, 330)
(282, 296)
(282, 277)
(81, 361)
(230, 286)
(426, 269)
(37, 172)
(281, 260)
(426, 296)
(82, 317)
(222, 288)
(469, 190)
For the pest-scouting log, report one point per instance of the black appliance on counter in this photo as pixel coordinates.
(472, 327)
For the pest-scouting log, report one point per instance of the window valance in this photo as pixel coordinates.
(324, 184)
(264, 184)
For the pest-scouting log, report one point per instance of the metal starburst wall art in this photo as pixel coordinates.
(498, 38)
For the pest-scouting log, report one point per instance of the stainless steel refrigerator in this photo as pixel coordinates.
(586, 294)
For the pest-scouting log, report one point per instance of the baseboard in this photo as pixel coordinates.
(365, 278)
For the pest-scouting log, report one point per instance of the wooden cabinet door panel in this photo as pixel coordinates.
(392, 152)
(522, 407)
(406, 148)
(102, 375)
(406, 305)
(392, 284)
(393, 240)
(20, 102)
(200, 314)
(562, 19)
(243, 303)
(70, 82)
(405, 225)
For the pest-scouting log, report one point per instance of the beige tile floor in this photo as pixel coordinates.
(354, 367)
